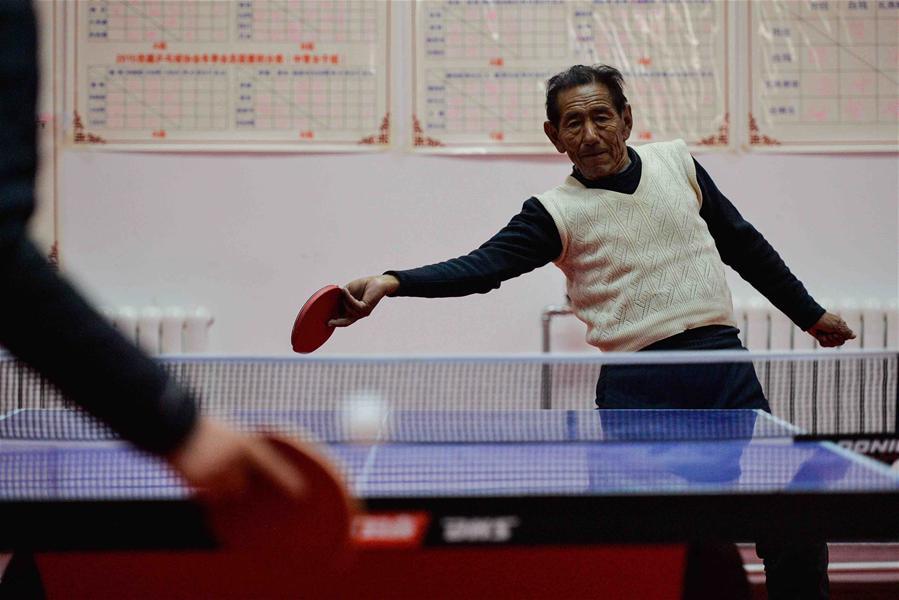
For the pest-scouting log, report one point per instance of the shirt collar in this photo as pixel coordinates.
(625, 182)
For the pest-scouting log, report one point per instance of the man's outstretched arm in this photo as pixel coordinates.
(529, 241)
(744, 249)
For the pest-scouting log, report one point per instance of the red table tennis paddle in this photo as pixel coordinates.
(311, 329)
(314, 527)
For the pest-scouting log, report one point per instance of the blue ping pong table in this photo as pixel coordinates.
(552, 476)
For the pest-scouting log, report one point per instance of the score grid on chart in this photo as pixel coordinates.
(824, 74)
(269, 74)
(481, 67)
(316, 74)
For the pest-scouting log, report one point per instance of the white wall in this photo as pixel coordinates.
(251, 236)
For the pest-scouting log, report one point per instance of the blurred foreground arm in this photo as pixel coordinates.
(46, 323)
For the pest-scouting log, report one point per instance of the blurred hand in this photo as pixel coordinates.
(831, 330)
(360, 297)
(226, 465)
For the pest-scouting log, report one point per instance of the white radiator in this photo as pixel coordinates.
(763, 327)
(164, 330)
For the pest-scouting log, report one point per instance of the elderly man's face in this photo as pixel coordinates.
(590, 130)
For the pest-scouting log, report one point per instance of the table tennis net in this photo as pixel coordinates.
(820, 393)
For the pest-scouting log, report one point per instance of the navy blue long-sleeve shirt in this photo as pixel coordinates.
(43, 320)
(531, 240)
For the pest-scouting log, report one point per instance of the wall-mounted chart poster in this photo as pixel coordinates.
(231, 74)
(43, 227)
(824, 75)
(480, 68)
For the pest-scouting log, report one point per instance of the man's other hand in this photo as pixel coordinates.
(831, 331)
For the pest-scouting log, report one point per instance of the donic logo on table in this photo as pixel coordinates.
(478, 529)
(884, 449)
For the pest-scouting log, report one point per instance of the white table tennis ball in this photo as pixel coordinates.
(365, 417)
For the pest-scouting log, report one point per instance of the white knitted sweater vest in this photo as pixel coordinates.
(641, 267)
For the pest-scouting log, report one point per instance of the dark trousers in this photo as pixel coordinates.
(715, 385)
(795, 569)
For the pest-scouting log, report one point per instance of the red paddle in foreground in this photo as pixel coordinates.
(311, 329)
(315, 526)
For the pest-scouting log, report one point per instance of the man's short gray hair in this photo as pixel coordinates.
(581, 75)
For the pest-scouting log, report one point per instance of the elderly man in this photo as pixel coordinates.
(642, 235)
